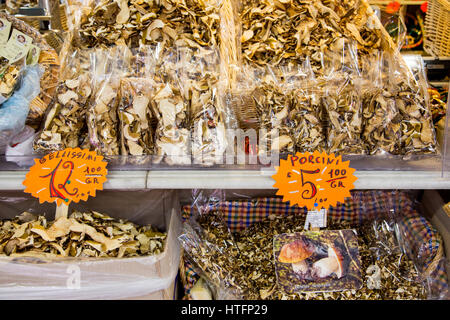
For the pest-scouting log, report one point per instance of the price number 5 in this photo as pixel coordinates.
(308, 194)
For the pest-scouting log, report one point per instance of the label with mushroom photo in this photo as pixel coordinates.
(314, 261)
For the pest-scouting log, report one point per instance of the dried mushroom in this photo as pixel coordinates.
(344, 111)
(340, 40)
(207, 115)
(109, 67)
(90, 234)
(192, 23)
(135, 115)
(382, 123)
(272, 106)
(287, 32)
(251, 271)
(172, 135)
(9, 75)
(306, 118)
(64, 124)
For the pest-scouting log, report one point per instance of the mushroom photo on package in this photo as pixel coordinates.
(315, 261)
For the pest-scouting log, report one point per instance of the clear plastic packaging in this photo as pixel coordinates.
(200, 80)
(109, 67)
(307, 120)
(135, 116)
(64, 125)
(14, 111)
(211, 254)
(345, 120)
(98, 278)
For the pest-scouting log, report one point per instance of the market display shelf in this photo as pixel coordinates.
(241, 179)
(12, 180)
(261, 179)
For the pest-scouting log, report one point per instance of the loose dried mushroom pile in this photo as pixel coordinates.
(89, 234)
(192, 23)
(288, 31)
(243, 262)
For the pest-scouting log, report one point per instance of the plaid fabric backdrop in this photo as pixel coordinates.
(421, 238)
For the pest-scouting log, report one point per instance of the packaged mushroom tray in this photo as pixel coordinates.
(128, 253)
(375, 246)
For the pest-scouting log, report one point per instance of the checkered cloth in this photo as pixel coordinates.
(420, 237)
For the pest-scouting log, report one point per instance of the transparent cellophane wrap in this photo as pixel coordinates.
(199, 244)
(101, 278)
(358, 105)
(338, 101)
(398, 231)
(201, 67)
(370, 101)
(64, 124)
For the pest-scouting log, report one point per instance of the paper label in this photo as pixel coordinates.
(314, 180)
(315, 261)
(17, 46)
(316, 219)
(66, 176)
(33, 55)
(5, 29)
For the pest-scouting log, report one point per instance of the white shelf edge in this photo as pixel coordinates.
(12, 180)
(241, 179)
(262, 179)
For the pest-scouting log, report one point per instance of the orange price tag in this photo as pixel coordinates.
(314, 180)
(66, 176)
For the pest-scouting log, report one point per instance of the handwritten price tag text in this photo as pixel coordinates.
(314, 180)
(65, 176)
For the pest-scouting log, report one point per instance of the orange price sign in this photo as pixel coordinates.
(314, 180)
(66, 176)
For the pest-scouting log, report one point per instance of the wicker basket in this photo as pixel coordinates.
(49, 61)
(437, 28)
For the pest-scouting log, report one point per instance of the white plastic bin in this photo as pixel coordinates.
(149, 277)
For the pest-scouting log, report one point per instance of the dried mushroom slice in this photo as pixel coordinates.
(172, 136)
(272, 106)
(89, 234)
(102, 118)
(345, 121)
(382, 123)
(306, 117)
(417, 131)
(135, 115)
(64, 125)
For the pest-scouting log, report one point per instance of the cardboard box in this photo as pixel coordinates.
(150, 277)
